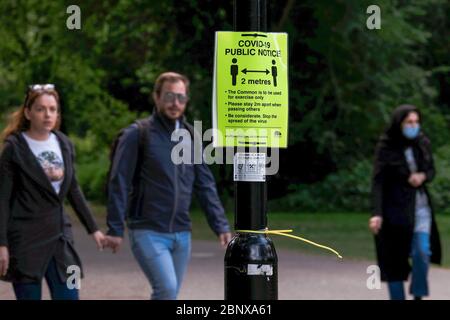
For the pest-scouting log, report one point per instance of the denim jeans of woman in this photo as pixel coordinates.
(58, 289)
(163, 257)
(420, 255)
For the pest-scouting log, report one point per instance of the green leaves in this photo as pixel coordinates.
(344, 79)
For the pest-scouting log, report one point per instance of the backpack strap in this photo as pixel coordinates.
(144, 125)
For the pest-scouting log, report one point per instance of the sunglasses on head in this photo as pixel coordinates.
(38, 87)
(171, 96)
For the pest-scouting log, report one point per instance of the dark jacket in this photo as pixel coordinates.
(394, 198)
(161, 198)
(33, 224)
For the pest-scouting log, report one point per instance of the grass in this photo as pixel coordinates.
(347, 233)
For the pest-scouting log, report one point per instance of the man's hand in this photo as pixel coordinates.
(113, 242)
(417, 179)
(375, 224)
(224, 239)
(4, 260)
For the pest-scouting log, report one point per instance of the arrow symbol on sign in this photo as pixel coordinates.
(244, 71)
(253, 35)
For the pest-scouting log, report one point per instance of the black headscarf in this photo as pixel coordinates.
(393, 134)
(392, 143)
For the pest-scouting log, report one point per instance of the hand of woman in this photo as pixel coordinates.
(417, 179)
(99, 239)
(375, 224)
(4, 260)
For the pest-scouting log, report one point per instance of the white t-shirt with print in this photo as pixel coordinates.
(48, 153)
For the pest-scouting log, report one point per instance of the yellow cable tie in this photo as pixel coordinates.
(283, 233)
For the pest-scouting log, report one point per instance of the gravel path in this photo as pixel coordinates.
(301, 276)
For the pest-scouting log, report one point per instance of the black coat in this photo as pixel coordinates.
(394, 199)
(33, 224)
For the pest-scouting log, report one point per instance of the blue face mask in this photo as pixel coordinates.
(411, 132)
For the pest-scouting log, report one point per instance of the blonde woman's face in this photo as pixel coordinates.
(43, 114)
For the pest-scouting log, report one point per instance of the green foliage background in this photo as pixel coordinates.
(344, 81)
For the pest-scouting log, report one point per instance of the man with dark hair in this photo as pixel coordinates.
(154, 194)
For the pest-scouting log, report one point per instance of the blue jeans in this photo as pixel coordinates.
(420, 254)
(163, 257)
(58, 289)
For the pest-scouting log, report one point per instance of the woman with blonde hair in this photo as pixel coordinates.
(37, 174)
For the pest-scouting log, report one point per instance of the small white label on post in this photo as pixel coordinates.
(250, 167)
(260, 270)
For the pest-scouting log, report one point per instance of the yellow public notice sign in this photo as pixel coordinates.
(250, 91)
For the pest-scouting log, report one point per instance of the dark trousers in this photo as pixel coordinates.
(58, 289)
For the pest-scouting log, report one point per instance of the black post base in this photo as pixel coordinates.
(251, 271)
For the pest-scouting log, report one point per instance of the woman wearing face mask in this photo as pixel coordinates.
(402, 219)
(37, 174)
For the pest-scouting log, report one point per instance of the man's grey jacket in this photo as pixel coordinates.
(162, 197)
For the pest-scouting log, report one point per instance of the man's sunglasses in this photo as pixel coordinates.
(169, 97)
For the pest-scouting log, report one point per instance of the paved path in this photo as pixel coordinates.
(301, 276)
